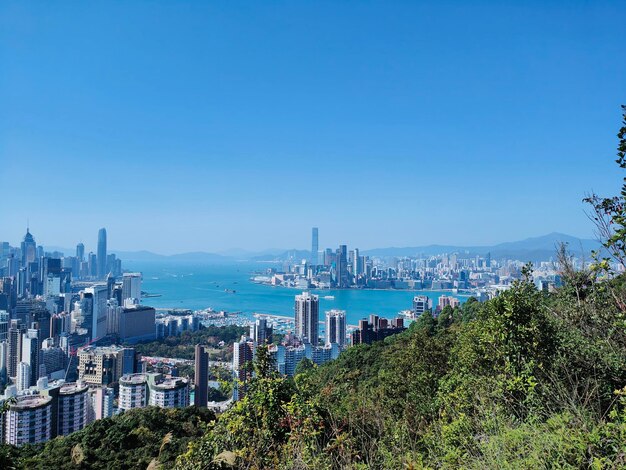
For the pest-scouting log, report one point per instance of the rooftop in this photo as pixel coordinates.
(133, 379)
(30, 402)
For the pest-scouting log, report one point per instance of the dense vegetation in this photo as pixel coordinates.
(135, 439)
(182, 346)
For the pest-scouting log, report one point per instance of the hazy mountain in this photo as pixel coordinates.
(531, 249)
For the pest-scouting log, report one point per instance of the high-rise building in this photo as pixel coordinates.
(105, 365)
(133, 392)
(100, 404)
(336, 327)
(4, 325)
(140, 390)
(92, 265)
(164, 392)
(16, 329)
(445, 301)
(314, 246)
(28, 420)
(4, 359)
(31, 354)
(102, 253)
(22, 380)
(243, 354)
(377, 329)
(29, 249)
(98, 294)
(357, 268)
(260, 332)
(421, 304)
(307, 317)
(287, 358)
(73, 401)
(137, 323)
(131, 286)
(342, 267)
(201, 377)
(80, 252)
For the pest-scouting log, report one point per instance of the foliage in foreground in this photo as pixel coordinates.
(133, 440)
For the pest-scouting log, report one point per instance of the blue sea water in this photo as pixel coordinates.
(199, 286)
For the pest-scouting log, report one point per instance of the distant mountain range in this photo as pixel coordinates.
(530, 249)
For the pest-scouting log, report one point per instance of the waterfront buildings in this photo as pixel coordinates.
(336, 328)
(137, 323)
(307, 317)
(131, 287)
(314, 245)
(447, 301)
(421, 304)
(173, 324)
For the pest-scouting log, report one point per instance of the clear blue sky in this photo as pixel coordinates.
(186, 126)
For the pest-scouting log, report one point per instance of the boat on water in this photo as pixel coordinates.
(329, 297)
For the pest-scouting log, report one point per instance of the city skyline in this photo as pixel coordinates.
(82, 250)
(402, 126)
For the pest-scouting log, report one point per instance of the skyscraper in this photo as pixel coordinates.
(31, 354)
(201, 378)
(102, 253)
(314, 245)
(336, 327)
(243, 354)
(29, 249)
(80, 252)
(15, 346)
(307, 317)
(260, 332)
(342, 266)
(131, 286)
(98, 296)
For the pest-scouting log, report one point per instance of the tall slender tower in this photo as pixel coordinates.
(336, 327)
(29, 249)
(307, 310)
(201, 379)
(102, 253)
(342, 266)
(314, 246)
(80, 252)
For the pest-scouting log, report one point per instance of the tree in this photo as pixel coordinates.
(609, 216)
